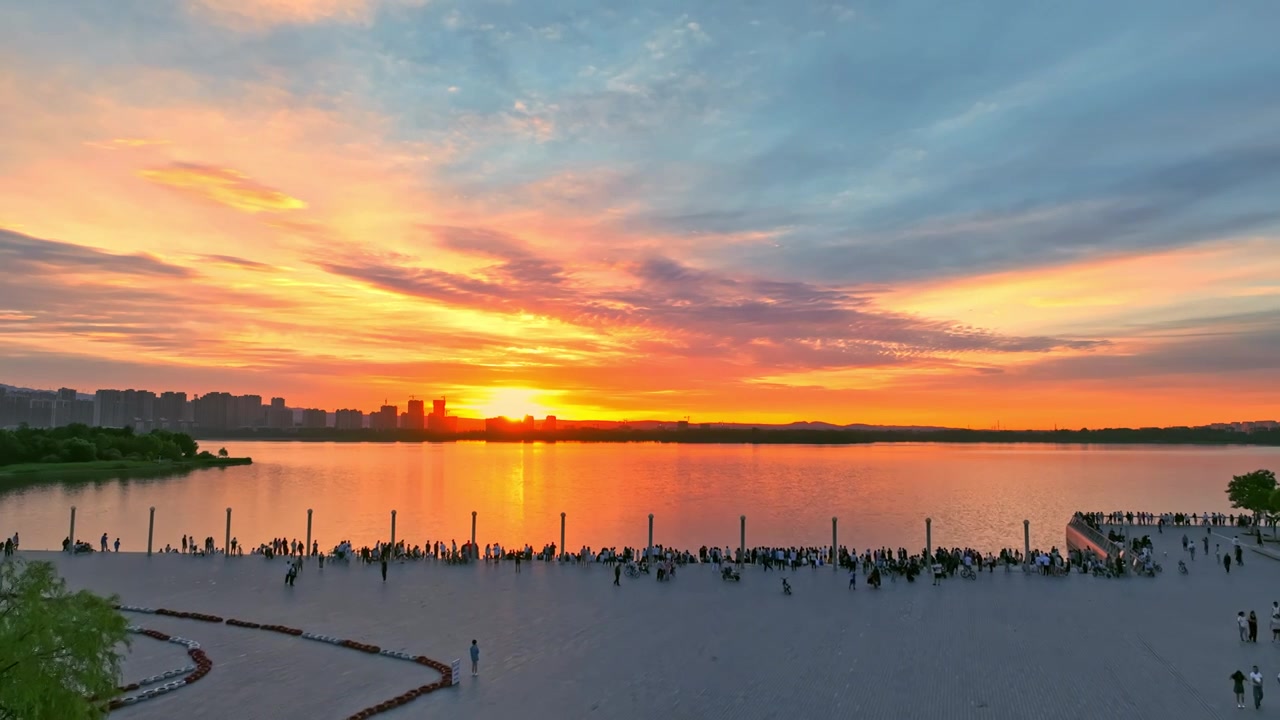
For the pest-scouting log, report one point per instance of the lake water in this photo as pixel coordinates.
(977, 495)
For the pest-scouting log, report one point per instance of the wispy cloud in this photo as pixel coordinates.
(223, 186)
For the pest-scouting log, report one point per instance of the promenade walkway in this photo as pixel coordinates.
(562, 642)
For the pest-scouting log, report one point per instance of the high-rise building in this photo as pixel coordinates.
(529, 423)
(348, 420)
(249, 412)
(108, 408)
(313, 419)
(414, 419)
(278, 415)
(387, 418)
(171, 410)
(439, 421)
(549, 425)
(214, 411)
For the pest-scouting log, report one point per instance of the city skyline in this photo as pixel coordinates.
(145, 410)
(843, 212)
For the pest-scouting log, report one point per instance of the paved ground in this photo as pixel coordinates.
(562, 642)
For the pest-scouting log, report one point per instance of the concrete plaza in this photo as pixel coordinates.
(560, 641)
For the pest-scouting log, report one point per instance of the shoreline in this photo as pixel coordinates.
(106, 469)
(1114, 436)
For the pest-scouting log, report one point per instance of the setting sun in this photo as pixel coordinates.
(515, 403)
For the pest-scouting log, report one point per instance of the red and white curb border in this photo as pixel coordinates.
(203, 665)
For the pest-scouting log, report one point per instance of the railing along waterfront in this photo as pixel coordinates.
(1083, 536)
(832, 554)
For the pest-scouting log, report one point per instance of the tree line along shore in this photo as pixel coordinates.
(80, 451)
(779, 436)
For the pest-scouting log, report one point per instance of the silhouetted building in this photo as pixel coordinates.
(248, 412)
(279, 416)
(108, 408)
(348, 420)
(499, 425)
(171, 410)
(214, 411)
(414, 418)
(549, 425)
(682, 425)
(529, 424)
(439, 420)
(315, 419)
(385, 419)
(69, 409)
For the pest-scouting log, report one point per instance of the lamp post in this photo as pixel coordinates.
(835, 549)
(1026, 541)
(648, 552)
(151, 529)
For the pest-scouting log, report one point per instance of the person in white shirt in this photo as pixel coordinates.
(1255, 679)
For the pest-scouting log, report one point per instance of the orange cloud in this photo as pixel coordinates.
(262, 14)
(224, 186)
(119, 143)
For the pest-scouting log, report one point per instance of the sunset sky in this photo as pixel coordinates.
(900, 213)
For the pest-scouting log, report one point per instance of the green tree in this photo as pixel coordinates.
(1252, 492)
(186, 444)
(80, 450)
(57, 649)
(222, 452)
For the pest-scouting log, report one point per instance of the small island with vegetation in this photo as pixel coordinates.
(80, 451)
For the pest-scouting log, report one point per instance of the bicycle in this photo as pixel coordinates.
(631, 571)
(968, 573)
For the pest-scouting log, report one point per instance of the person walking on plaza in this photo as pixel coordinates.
(1193, 552)
(117, 544)
(617, 574)
(1253, 626)
(384, 555)
(1237, 686)
(1255, 679)
(1242, 623)
(475, 659)
(1226, 562)
(104, 542)
(1239, 551)
(1275, 621)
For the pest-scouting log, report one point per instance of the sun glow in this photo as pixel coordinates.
(515, 403)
